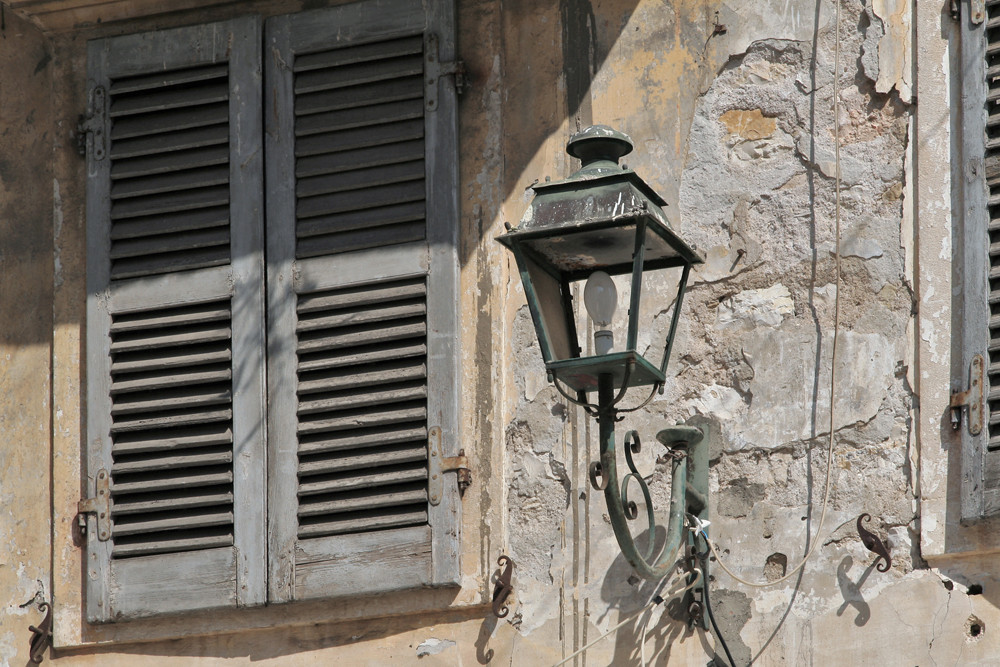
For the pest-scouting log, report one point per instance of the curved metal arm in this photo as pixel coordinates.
(649, 565)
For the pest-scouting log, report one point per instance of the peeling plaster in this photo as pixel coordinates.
(752, 180)
(894, 50)
(433, 646)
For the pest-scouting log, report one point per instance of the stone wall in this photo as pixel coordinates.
(731, 108)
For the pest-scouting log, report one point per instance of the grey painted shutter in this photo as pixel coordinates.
(362, 293)
(979, 262)
(175, 318)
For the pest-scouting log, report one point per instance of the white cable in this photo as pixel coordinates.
(642, 637)
(836, 331)
(657, 599)
(628, 618)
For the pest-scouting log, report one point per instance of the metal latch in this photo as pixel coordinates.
(100, 505)
(972, 398)
(434, 69)
(438, 465)
(90, 126)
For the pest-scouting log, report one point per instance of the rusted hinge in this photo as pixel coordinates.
(977, 11)
(90, 126)
(971, 398)
(438, 465)
(434, 69)
(99, 505)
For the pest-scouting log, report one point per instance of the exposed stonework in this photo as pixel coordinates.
(730, 104)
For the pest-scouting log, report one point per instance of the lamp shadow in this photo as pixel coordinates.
(662, 624)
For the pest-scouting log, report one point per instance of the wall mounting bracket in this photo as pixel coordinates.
(41, 636)
(503, 587)
(875, 545)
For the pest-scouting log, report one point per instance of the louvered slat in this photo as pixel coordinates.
(171, 390)
(362, 408)
(992, 155)
(169, 171)
(359, 146)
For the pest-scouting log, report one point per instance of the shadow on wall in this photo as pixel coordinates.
(550, 59)
(530, 68)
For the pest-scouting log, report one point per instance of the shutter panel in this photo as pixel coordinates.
(362, 292)
(175, 322)
(990, 439)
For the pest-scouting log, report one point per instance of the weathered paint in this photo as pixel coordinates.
(734, 128)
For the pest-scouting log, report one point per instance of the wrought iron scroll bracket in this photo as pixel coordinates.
(503, 587)
(874, 544)
(41, 636)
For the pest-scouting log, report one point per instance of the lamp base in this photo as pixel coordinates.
(581, 374)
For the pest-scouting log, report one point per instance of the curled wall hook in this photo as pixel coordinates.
(42, 635)
(503, 588)
(874, 544)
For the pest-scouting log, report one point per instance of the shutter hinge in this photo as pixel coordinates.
(438, 465)
(972, 398)
(99, 505)
(90, 126)
(977, 11)
(434, 69)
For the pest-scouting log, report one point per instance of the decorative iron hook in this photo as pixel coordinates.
(41, 636)
(874, 544)
(503, 588)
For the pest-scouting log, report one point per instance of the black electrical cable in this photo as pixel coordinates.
(708, 605)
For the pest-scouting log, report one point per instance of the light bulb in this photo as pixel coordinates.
(601, 298)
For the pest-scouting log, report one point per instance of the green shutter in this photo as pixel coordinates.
(362, 292)
(175, 321)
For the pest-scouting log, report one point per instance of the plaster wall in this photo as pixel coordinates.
(731, 106)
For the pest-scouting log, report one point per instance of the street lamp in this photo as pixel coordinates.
(605, 221)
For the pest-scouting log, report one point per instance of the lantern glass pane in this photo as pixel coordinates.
(553, 328)
(619, 323)
(656, 310)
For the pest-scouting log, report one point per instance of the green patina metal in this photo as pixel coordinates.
(603, 217)
(606, 218)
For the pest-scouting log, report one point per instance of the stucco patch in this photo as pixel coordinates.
(767, 307)
(790, 389)
(749, 123)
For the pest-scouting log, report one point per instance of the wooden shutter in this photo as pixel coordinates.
(979, 261)
(362, 292)
(175, 333)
